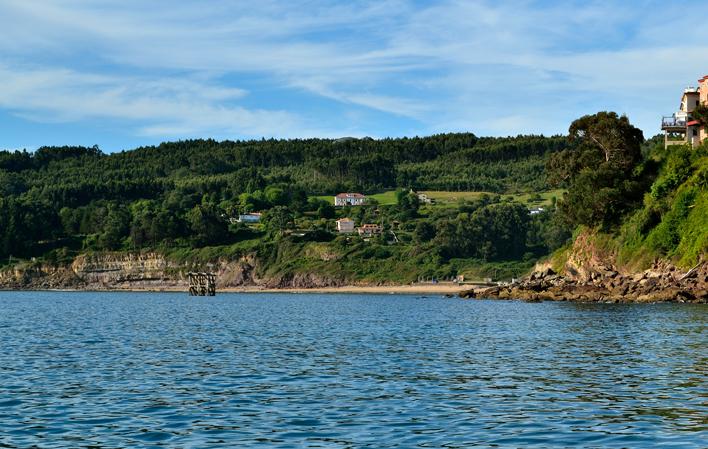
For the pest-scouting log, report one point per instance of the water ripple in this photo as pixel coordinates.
(116, 370)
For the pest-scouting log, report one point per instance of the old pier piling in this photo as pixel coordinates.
(202, 284)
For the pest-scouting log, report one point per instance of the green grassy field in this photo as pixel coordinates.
(443, 198)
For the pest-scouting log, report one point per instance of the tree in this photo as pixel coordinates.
(598, 168)
(115, 227)
(277, 220)
(613, 137)
(70, 220)
(326, 211)
(206, 225)
(11, 184)
(424, 232)
(275, 196)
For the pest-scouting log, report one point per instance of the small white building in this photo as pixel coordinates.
(349, 199)
(424, 198)
(345, 225)
(536, 210)
(254, 217)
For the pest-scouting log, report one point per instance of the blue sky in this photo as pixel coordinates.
(124, 73)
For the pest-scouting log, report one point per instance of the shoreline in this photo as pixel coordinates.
(432, 289)
(464, 292)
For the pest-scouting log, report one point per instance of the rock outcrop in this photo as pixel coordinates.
(662, 282)
(152, 271)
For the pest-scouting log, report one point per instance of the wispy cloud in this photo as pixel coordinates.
(169, 107)
(250, 69)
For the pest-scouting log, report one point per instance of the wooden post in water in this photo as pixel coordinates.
(202, 284)
(211, 284)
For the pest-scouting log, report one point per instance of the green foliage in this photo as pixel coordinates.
(424, 232)
(277, 220)
(676, 170)
(673, 221)
(491, 232)
(601, 169)
(667, 236)
(326, 211)
(114, 227)
(183, 198)
(700, 113)
(491, 164)
(206, 225)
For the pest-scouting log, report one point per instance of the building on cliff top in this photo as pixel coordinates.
(680, 128)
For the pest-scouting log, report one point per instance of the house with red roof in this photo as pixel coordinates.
(680, 127)
(369, 229)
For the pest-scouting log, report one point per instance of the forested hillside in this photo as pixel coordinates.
(60, 200)
(180, 200)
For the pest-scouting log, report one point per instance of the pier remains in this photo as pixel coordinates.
(202, 284)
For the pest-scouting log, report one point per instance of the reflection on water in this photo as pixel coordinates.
(150, 370)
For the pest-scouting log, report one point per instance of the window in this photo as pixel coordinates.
(695, 132)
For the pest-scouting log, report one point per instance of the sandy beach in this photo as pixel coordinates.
(432, 289)
(416, 289)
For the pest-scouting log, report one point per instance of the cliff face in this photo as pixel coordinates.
(39, 277)
(589, 271)
(109, 271)
(122, 269)
(95, 271)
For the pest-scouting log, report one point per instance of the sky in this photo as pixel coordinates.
(126, 73)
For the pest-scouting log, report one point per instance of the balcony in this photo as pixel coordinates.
(674, 124)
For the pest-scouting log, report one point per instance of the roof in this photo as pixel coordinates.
(345, 219)
(349, 195)
(693, 123)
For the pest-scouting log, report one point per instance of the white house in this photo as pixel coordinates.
(680, 127)
(349, 199)
(254, 217)
(345, 225)
(425, 199)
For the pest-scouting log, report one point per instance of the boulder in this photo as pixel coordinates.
(548, 272)
(468, 294)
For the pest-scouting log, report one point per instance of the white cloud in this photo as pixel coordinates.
(170, 107)
(449, 65)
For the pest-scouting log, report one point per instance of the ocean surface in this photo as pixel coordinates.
(110, 370)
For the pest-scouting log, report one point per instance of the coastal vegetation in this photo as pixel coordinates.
(637, 202)
(448, 205)
(183, 199)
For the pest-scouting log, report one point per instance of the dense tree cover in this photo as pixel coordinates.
(602, 169)
(184, 193)
(495, 231)
(492, 165)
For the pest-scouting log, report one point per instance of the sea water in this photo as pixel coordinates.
(109, 370)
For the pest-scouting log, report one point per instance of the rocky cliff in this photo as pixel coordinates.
(151, 270)
(590, 272)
